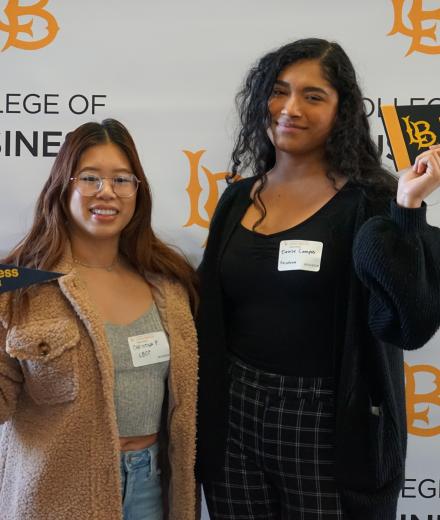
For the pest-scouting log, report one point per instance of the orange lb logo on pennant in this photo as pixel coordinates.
(421, 406)
(14, 12)
(419, 133)
(420, 28)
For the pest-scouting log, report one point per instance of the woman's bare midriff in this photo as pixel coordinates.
(137, 443)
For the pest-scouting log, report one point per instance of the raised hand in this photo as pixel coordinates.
(420, 180)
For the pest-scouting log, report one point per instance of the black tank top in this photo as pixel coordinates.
(289, 321)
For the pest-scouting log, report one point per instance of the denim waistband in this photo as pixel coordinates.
(135, 458)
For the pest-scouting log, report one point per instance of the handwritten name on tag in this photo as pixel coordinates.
(147, 349)
(300, 255)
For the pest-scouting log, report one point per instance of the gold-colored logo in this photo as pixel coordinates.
(195, 189)
(14, 11)
(420, 27)
(419, 133)
(414, 399)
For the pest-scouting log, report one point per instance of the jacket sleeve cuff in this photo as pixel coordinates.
(410, 220)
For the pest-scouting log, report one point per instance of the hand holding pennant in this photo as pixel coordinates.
(413, 132)
(420, 180)
(13, 277)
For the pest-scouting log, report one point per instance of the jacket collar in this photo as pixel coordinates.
(70, 283)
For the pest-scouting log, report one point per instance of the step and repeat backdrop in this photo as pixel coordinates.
(169, 71)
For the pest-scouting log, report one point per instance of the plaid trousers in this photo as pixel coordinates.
(279, 459)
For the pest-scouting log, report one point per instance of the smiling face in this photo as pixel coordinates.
(104, 215)
(302, 107)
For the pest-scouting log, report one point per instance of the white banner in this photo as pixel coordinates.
(169, 71)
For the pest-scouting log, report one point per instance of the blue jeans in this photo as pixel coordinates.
(140, 484)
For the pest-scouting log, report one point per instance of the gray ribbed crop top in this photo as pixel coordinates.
(139, 388)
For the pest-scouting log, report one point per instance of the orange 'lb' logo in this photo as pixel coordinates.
(419, 133)
(419, 30)
(414, 400)
(195, 190)
(14, 11)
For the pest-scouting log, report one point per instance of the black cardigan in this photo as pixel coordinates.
(393, 301)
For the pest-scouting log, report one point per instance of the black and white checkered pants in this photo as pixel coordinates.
(279, 459)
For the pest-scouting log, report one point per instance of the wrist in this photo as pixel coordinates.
(408, 201)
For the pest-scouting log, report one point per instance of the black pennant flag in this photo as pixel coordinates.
(411, 130)
(13, 277)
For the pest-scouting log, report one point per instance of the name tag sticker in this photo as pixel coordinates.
(147, 349)
(300, 255)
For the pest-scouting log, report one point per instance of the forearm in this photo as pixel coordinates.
(396, 258)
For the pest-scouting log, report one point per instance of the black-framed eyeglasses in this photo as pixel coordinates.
(89, 184)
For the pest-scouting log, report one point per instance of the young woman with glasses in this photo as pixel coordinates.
(98, 369)
(315, 276)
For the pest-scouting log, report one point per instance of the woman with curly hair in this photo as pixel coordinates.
(319, 270)
(98, 369)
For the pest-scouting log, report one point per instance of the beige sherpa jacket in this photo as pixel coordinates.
(59, 447)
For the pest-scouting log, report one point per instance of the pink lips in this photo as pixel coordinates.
(103, 213)
(286, 125)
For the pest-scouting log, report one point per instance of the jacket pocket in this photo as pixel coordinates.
(369, 449)
(386, 450)
(47, 354)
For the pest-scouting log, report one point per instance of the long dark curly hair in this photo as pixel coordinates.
(350, 151)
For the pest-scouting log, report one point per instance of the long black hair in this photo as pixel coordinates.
(350, 151)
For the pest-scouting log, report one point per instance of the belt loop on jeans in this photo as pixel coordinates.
(131, 459)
